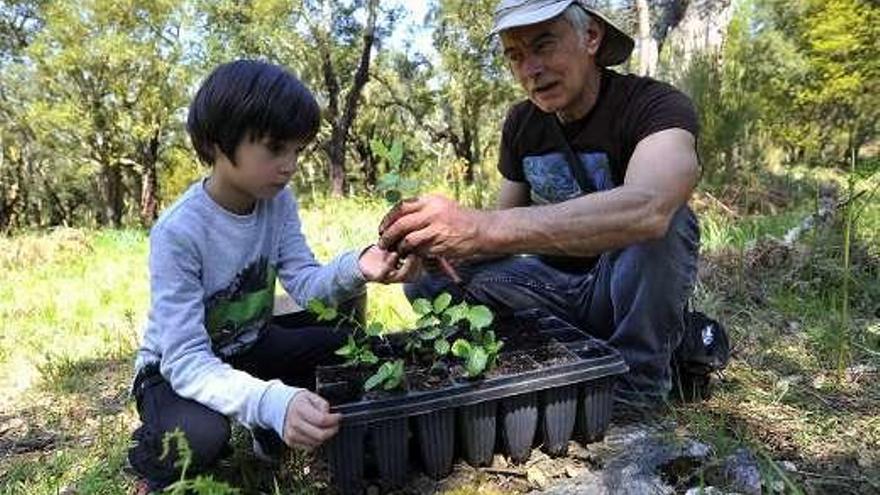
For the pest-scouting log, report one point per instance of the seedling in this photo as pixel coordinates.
(389, 375)
(392, 185)
(480, 351)
(438, 320)
(357, 351)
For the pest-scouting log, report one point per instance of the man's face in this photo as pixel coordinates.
(551, 61)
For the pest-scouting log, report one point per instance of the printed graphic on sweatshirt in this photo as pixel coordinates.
(551, 179)
(243, 308)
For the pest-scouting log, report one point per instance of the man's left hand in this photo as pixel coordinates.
(432, 226)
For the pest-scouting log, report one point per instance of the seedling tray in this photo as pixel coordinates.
(568, 394)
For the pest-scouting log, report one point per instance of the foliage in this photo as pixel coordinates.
(392, 185)
(200, 485)
(389, 376)
(437, 322)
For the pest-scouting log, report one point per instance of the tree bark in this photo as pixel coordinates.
(110, 182)
(341, 124)
(646, 45)
(149, 183)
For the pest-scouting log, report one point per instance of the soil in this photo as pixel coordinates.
(341, 384)
(552, 354)
(513, 363)
(422, 380)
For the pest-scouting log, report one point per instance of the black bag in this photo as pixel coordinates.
(704, 350)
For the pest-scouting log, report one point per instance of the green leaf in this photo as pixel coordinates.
(349, 349)
(408, 187)
(378, 377)
(328, 315)
(441, 347)
(393, 196)
(430, 333)
(395, 155)
(479, 317)
(461, 348)
(368, 357)
(390, 373)
(374, 329)
(442, 302)
(428, 320)
(422, 307)
(476, 362)
(378, 148)
(316, 306)
(455, 314)
(395, 379)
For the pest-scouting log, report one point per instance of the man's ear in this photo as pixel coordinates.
(595, 35)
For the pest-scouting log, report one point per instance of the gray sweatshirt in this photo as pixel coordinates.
(212, 284)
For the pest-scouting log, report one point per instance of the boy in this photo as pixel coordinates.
(210, 349)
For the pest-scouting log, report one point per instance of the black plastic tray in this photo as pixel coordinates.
(553, 403)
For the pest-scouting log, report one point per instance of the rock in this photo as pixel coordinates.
(788, 466)
(777, 486)
(739, 471)
(708, 490)
(573, 471)
(537, 477)
(500, 462)
(637, 458)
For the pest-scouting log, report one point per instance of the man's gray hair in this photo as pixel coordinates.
(578, 18)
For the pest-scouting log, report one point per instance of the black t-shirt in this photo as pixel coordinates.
(628, 109)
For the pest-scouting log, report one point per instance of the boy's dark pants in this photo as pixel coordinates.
(290, 349)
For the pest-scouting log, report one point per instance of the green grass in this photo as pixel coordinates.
(73, 302)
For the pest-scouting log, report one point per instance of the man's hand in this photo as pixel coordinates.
(308, 422)
(379, 265)
(432, 226)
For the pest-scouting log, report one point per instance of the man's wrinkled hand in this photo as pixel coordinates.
(309, 422)
(432, 226)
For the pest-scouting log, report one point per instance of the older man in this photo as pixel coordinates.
(592, 219)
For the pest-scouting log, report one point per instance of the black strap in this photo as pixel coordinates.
(574, 163)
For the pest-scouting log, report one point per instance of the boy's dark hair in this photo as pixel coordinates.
(250, 99)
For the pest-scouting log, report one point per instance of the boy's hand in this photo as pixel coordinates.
(308, 422)
(379, 265)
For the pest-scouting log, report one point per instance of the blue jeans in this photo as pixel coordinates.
(634, 298)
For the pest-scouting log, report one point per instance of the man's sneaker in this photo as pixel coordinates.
(268, 447)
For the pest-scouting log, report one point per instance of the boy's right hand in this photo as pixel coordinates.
(308, 422)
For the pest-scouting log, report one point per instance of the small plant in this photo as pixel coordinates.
(480, 350)
(201, 484)
(357, 351)
(437, 322)
(392, 185)
(389, 375)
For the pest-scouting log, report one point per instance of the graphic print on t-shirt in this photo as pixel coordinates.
(551, 180)
(243, 307)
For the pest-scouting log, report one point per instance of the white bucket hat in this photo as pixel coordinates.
(616, 46)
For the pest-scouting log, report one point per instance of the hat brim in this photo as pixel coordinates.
(616, 47)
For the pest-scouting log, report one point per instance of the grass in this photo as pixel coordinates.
(72, 304)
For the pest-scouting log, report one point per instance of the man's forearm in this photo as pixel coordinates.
(584, 226)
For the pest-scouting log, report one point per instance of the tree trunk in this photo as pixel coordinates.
(646, 45)
(149, 183)
(342, 125)
(110, 183)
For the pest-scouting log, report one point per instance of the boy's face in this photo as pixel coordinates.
(262, 168)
